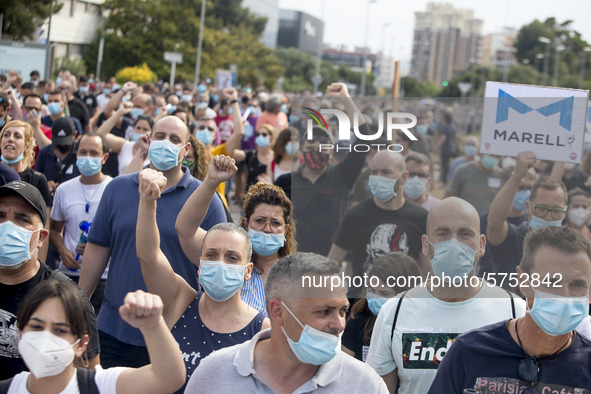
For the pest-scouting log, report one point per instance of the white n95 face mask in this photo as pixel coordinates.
(45, 354)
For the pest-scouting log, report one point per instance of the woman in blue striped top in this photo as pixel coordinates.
(267, 218)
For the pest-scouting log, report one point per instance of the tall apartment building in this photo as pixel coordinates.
(445, 40)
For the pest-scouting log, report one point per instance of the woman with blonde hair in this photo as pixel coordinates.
(17, 144)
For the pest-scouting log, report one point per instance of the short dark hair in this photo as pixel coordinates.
(93, 134)
(4, 101)
(419, 158)
(34, 95)
(548, 184)
(82, 79)
(28, 86)
(577, 191)
(563, 239)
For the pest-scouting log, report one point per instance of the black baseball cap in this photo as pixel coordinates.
(29, 193)
(62, 131)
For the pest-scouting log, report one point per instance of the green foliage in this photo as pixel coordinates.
(415, 88)
(528, 46)
(74, 66)
(142, 30)
(23, 17)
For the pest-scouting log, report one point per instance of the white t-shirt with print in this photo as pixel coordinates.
(425, 329)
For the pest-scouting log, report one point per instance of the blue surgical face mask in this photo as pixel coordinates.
(284, 108)
(54, 108)
(171, 109)
(489, 162)
(2, 121)
(557, 315)
(106, 91)
(164, 154)
(382, 188)
(90, 81)
(18, 158)
(452, 258)
(136, 137)
(58, 81)
(314, 346)
(470, 150)
(262, 141)
(14, 244)
(204, 136)
(415, 187)
(45, 97)
(291, 148)
(83, 89)
(520, 199)
(186, 98)
(230, 111)
(422, 129)
(220, 280)
(135, 112)
(89, 166)
(266, 244)
(375, 303)
(536, 222)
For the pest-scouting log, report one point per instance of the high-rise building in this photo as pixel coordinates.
(300, 30)
(270, 10)
(445, 40)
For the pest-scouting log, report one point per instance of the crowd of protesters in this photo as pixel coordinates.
(124, 268)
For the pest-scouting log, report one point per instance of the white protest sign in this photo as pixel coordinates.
(224, 79)
(547, 121)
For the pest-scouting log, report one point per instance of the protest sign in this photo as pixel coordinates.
(548, 121)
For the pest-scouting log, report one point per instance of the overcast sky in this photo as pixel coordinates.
(346, 19)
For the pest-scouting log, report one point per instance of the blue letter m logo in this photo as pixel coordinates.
(564, 107)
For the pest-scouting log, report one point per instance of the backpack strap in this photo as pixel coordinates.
(5, 385)
(86, 382)
(512, 303)
(396, 314)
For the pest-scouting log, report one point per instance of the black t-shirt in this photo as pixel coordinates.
(507, 255)
(10, 298)
(38, 180)
(79, 111)
(487, 358)
(255, 167)
(369, 232)
(353, 336)
(485, 263)
(89, 100)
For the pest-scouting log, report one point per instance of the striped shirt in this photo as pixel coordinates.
(253, 292)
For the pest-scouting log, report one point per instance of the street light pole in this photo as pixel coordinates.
(559, 49)
(200, 43)
(539, 56)
(546, 41)
(583, 61)
(365, 50)
(317, 79)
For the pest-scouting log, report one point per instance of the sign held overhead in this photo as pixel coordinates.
(547, 121)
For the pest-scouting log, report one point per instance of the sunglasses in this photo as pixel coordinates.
(206, 127)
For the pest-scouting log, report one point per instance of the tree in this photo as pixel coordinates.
(22, 17)
(528, 46)
(139, 31)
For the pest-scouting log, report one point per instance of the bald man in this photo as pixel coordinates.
(386, 222)
(112, 235)
(414, 331)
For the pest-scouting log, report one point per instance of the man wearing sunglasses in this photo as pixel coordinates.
(546, 207)
(540, 352)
